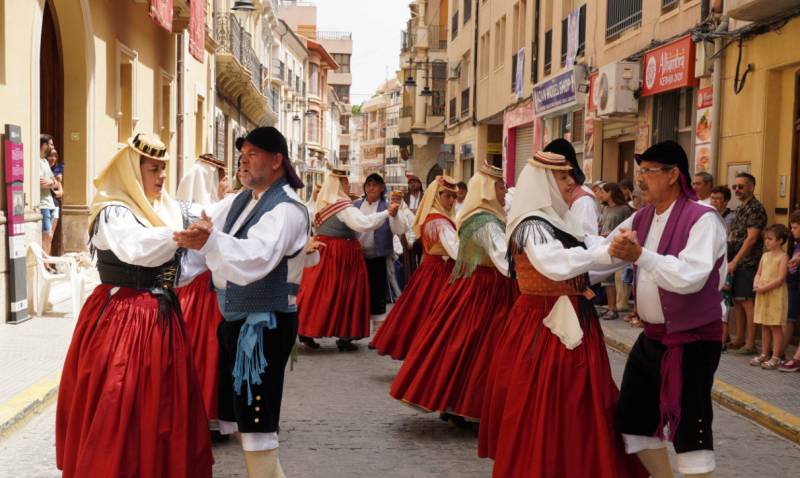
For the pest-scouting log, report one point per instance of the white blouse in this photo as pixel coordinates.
(119, 231)
(443, 231)
(492, 239)
(549, 256)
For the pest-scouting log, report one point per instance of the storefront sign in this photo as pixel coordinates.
(161, 13)
(669, 67)
(197, 29)
(702, 131)
(558, 91)
(593, 85)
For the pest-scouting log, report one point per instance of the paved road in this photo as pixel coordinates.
(340, 422)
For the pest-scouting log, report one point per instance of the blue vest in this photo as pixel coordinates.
(383, 235)
(271, 293)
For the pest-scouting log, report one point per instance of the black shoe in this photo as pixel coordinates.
(457, 420)
(217, 437)
(309, 342)
(346, 345)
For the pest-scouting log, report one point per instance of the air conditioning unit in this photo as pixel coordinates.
(455, 72)
(616, 83)
(755, 10)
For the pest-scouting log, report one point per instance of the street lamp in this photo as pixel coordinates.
(426, 91)
(243, 8)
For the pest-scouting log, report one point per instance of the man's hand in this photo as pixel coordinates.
(625, 246)
(393, 208)
(196, 235)
(46, 183)
(314, 246)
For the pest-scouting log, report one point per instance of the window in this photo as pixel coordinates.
(313, 79)
(548, 51)
(343, 92)
(199, 114)
(467, 10)
(666, 115)
(484, 54)
(454, 26)
(126, 98)
(500, 42)
(582, 31)
(343, 59)
(667, 5)
(622, 15)
(564, 40)
(165, 119)
(577, 126)
(312, 127)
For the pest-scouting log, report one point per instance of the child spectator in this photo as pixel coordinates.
(793, 286)
(771, 306)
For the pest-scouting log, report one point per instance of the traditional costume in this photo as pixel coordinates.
(584, 204)
(550, 396)
(200, 186)
(434, 224)
(412, 248)
(378, 247)
(670, 370)
(128, 403)
(334, 295)
(256, 254)
(446, 367)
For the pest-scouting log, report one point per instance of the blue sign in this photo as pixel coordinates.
(554, 92)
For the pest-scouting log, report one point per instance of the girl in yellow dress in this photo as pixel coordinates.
(772, 298)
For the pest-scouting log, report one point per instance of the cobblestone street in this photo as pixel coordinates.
(340, 422)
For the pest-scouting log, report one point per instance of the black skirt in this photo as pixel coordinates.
(378, 285)
(263, 414)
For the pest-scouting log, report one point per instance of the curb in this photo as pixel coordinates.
(765, 414)
(27, 404)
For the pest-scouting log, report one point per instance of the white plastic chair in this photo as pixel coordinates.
(46, 278)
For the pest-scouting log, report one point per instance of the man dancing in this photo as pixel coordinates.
(253, 244)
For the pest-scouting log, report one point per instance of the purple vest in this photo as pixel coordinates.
(383, 235)
(683, 312)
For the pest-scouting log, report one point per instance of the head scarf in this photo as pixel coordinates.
(537, 194)
(481, 195)
(120, 183)
(200, 184)
(430, 204)
(332, 191)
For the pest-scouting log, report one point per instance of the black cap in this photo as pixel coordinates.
(670, 153)
(376, 178)
(239, 143)
(271, 140)
(564, 148)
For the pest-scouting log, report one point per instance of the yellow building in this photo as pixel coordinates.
(92, 73)
(760, 118)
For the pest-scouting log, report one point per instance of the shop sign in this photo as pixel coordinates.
(669, 67)
(702, 131)
(558, 91)
(161, 13)
(593, 86)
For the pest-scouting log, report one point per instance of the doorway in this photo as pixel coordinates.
(51, 101)
(625, 161)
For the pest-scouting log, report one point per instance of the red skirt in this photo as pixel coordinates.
(128, 402)
(549, 411)
(446, 368)
(334, 295)
(411, 310)
(202, 317)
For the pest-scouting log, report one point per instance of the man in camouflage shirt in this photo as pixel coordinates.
(745, 246)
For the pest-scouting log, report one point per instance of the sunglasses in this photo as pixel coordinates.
(737, 187)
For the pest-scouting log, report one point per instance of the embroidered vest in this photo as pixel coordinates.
(430, 242)
(382, 235)
(683, 312)
(271, 293)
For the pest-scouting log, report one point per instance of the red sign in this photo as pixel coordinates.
(15, 196)
(197, 29)
(705, 97)
(592, 92)
(669, 67)
(161, 13)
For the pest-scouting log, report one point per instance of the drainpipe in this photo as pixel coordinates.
(475, 66)
(716, 81)
(179, 114)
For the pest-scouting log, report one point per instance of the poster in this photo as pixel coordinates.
(702, 131)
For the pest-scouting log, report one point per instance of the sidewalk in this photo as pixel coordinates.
(32, 354)
(768, 397)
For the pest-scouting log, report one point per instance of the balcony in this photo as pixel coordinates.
(437, 37)
(436, 109)
(453, 113)
(407, 40)
(622, 15)
(329, 35)
(239, 73)
(756, 10)
(278, 71)
(465, 102)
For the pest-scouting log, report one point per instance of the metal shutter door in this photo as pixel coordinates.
(523, 149)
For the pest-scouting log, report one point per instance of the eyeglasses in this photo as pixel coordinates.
(649, 171)
(737, 187)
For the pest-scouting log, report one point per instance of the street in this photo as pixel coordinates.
(340, 422)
